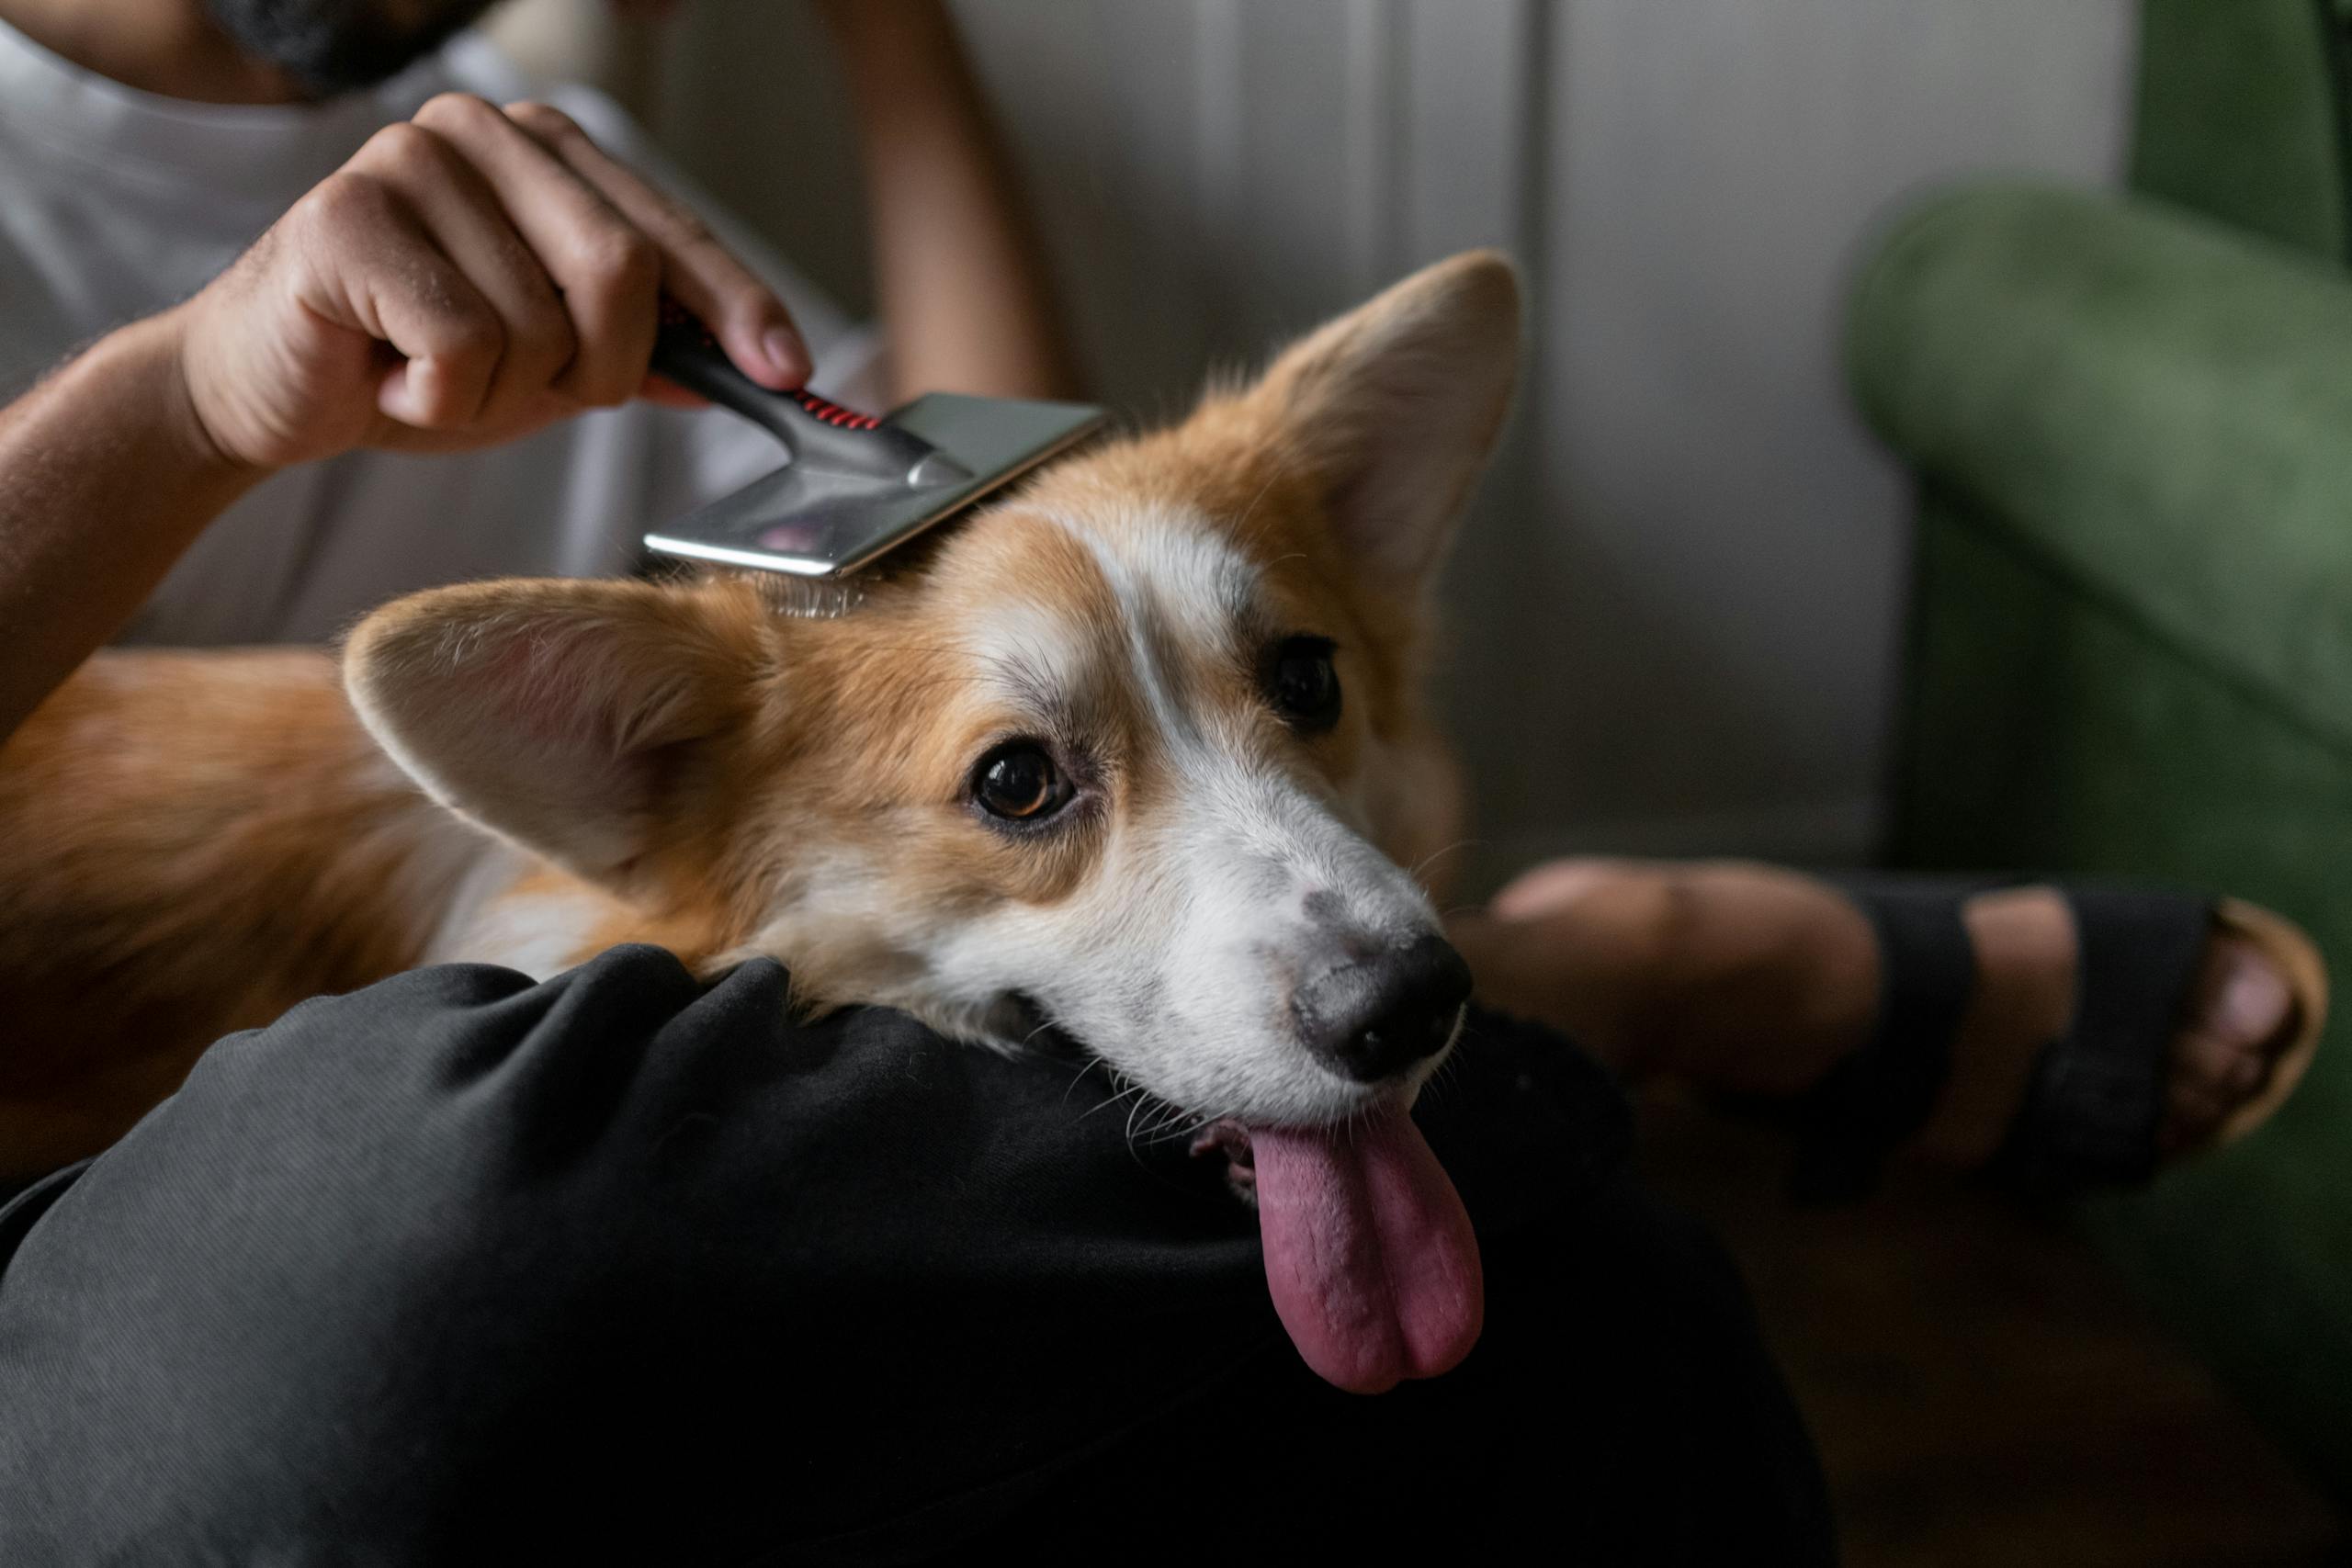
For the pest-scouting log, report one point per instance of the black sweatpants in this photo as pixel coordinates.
(623, 1268)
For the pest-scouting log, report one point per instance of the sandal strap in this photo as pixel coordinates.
(1877, 1098)
(2095, 1100)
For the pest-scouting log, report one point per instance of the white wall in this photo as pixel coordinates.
(1677, 606)
(1723, 541)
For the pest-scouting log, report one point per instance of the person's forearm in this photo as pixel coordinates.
(960, 278)
(106, 477)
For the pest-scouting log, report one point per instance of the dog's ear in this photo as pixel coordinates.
(560, 715)
(1395, 407)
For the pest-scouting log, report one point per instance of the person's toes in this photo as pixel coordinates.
(2247, 1074)
(2194, 1102)
(2223, 1055)
(2204, 1057)
(2242, 1004)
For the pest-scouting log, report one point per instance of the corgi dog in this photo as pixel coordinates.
(1139, 752)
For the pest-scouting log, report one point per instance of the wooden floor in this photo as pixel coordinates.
(1983, 1390)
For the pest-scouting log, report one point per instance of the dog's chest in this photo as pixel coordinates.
(511, 911)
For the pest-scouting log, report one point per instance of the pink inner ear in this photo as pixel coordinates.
(551, 689)
(551, 714)
(1405, 469)
(535, 723)
(584, 687)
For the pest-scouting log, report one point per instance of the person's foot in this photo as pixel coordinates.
(2239, 1014)
(1754, 979)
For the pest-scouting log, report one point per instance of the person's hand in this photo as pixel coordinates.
(467, 277)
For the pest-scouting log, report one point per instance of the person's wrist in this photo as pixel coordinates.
(161, 345)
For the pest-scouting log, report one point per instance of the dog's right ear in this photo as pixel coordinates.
(560, 714)
(1392, 410)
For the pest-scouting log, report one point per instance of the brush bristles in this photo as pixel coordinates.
(814, 599)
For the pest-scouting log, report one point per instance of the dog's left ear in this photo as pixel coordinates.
(1395, 408)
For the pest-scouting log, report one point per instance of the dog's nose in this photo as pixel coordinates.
(1371, 1020)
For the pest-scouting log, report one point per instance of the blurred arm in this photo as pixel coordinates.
(469, 276)
(106, 475)
(960, 276)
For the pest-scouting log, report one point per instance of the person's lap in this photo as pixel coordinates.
(620, 1265)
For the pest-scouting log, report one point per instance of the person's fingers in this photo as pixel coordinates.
(465, 219)
(669, 395)
(606, 271)
(741, 311)
(376, 269)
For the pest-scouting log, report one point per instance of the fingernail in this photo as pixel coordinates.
(786, 352)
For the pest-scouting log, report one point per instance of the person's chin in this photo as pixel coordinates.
(327, 47)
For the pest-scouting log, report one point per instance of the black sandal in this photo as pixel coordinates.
(2095, 1100)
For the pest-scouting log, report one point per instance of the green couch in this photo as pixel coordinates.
(2130, 419)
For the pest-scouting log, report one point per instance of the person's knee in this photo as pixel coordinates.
(1721, 936)
(1772, 944)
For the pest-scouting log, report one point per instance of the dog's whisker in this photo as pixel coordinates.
(1077, 1078)
(1251, 510)
(1191, 1127)
(1442, 1078)
(1438, 855)
(1138, 1108)
(1123, 1094)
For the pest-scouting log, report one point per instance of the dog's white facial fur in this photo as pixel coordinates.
(1229, 867)
(733, 782)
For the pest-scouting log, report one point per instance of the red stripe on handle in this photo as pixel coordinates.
(676, 315)
(833, 413)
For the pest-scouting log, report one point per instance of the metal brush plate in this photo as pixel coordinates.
(812, 523)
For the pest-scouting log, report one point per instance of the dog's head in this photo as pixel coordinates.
(1140, 751)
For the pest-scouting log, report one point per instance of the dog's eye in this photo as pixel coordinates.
(1019, 783)
(1302, 685)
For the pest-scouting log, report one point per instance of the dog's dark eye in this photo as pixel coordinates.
(1019, 783)
(1302, 685)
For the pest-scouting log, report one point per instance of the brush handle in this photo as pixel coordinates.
(817, 431)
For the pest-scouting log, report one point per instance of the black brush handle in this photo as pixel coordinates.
(814, 430)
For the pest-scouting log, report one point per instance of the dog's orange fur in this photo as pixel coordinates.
(191, 842)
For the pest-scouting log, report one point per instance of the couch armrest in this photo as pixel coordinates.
(2158, 408)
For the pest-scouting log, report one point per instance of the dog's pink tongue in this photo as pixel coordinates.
(1369, 1252)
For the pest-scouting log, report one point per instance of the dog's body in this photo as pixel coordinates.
(1139, 752)
(189, 844)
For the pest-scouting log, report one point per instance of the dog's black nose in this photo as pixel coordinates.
(1372, 1019)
